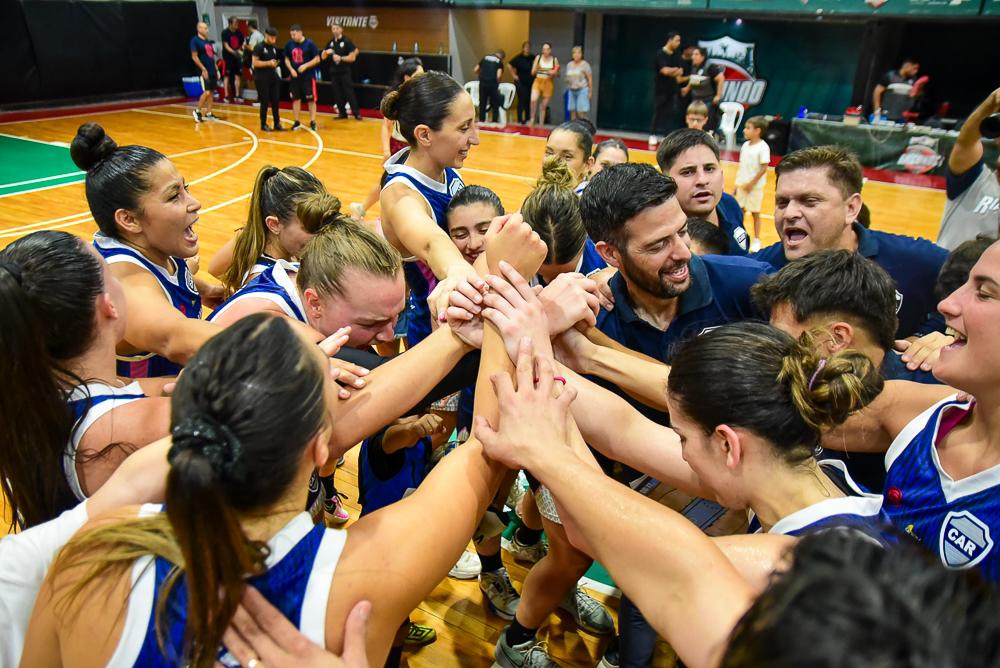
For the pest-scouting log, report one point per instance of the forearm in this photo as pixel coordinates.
(877, 96)
(969, 135)
(642, 378)
(197, 61)
(758, 176)
(598, 337)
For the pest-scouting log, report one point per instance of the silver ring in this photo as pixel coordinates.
(254, 663)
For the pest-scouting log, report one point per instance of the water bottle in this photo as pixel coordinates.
(394, 49)
(416, 47)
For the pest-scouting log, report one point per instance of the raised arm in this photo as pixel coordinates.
(968, 149)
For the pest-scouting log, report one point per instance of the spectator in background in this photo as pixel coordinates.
(520, 68)
(232, 57)
(973, 189)
(704, 83)
(706, 238)
(697, 116)
(897, 91)
(490, 71)
(580, 81)
(545, 69)
(755, 156)
(341, 52)
(203, 55)
(301, 59)
(667, 97)
(266, 58)
(253, 39)
(608, 153)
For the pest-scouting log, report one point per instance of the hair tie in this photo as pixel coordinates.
(214, 441)
(13, 269)
(819, 367)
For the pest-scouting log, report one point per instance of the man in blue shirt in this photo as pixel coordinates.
(817, 201)
(691, 158)
(847, 302)
(301, 58)
(203, 55)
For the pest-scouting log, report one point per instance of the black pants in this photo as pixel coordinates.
(523, 101)
(343, 93)
(637, 638)
(489, 92)
(666, 114)
(268, 90)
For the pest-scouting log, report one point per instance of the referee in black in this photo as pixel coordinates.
(341, 51)
(266, 57)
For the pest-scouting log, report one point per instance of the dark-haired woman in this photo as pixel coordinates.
(72, 420)
(272, 231)
(249, 422)
(608, 153)
(571, 143)
(437, 119)
(146, 217)
(545, 69)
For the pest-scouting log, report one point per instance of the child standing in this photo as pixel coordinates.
(755, 155)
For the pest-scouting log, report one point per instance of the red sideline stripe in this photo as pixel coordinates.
(31, 114)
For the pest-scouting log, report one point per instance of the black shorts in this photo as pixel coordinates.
(210, 82)
(302, 87)
(233, 68)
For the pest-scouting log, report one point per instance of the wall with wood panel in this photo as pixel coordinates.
(426, 26)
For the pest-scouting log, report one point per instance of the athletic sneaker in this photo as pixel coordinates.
(357, 210)
(531, 554)
(265, 128)
(296, 125)
(312, 125)
(468, 567)
(279, 128)
(237, 100)
(212, 117)
(197, 116)
(755, 245)
(334, 509)
(529, 654)
(419, 635)
(612, 657)
(589, 615)
(500, 593)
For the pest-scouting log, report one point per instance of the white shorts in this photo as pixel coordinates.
(750, 200)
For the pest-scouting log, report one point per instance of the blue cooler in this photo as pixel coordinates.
(193, 86)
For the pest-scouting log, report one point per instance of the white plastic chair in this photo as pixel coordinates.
(732, 116)
(507, 93)
(472, 88)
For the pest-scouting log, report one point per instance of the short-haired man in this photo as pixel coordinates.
(662, 294)
(203, 55)
(898, 90)
(850, 303)
(973, 188)
(817, 201)
(301, 58)
(341, 52)
(232, 55)
(691, 158)
(666, 91)
(490, 71)
(266, 58)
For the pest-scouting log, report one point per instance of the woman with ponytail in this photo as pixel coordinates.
(437, 119)
(146, 218)
(68, 420)
(250, 420)
(272, 231)
(571, 143)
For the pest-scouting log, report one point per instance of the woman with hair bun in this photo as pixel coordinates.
(146, 218)
(437, 119)
(571, 143)
(72, 420)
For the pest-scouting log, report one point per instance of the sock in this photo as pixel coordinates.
(517, 634)
(328, 489)
(491, 562)
(526, 536)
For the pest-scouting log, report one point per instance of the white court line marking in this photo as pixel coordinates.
(78, 220)
(60, 144)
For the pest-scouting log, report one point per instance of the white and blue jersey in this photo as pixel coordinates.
(300, 566)
(88, 403)
(957, 519)
(858, 510)
(179, 289)
(273, 284)
(419, 277)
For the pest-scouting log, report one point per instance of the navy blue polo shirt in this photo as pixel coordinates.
(894, 368)
(731, 222)
(913, 263)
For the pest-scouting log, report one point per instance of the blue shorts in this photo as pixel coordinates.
(579, 100)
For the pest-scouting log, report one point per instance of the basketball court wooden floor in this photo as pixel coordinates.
(40, 188)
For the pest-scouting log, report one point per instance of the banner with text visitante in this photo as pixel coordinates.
(772, 67)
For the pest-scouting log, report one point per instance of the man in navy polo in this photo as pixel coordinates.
(691, 158)
(662, 295)
(817, 200)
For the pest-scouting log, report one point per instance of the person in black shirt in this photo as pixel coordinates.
(490, 70)
(266, 57)
(341, 51)
(301, 59)
(232, 55)
(520, 69)
(203, 55)
(667, 107)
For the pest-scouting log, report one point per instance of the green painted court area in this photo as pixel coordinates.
(28, 164)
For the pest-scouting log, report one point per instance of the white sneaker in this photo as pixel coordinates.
(467, 568)
(500, 593)
(755, 245)
(531, 554)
